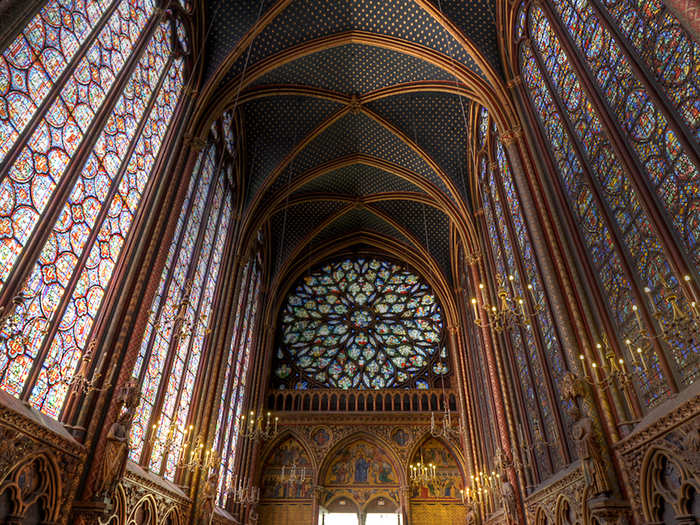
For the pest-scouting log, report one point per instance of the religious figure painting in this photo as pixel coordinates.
(360, 463)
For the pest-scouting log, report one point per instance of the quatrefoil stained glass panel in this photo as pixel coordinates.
(360, 323)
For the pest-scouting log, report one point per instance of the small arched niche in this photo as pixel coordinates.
(438, 500)
(282, 501)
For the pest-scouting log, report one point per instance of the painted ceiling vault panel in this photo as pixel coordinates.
(357, 133)
(357, 180)
(355, 69)
(274, 126)
(305, 20)
(436, 122)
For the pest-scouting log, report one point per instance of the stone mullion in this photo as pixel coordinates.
(92, 237)
(118, 275)
(506, 334)
(32, 249)
(631, 167)
(146, 451)
(142, 279)
(176, 251)
(569, 283)
(616, 235)
(248, 451)
(200, 294)
(535, 321)
(567, 270)
(563, 326)
(495, 377)
(174, 340)
(59, 84)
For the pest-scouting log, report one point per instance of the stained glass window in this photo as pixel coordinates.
(60, 145)
(360, 323)
(669, 170)
(539, 406)
(180, 319)
(623, 245)
(235, 382)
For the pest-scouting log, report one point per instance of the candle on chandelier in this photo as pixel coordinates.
(639, 317)
(647, 291)
(476, 313)
(629, 349)
(641, 357)
(583, 366)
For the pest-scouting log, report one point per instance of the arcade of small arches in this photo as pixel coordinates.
(349, 262)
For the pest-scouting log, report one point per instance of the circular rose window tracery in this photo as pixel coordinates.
(360, 323)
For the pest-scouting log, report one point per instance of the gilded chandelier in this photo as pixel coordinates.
(510, 309)
(254, 429)
(422, 474)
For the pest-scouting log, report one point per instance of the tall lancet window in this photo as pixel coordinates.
(235, 379)
(88, 91)
(538, 356)
(620, 120)
(181, 315)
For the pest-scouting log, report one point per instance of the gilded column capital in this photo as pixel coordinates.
(512, 135)
(195, 142)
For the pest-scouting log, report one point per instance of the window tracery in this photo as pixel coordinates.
(236, 377)
(538, 357)
(623, 242)
(180, 318)
(88, 95)
(360, 323)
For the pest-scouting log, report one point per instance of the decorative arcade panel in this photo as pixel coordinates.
(360, 323)
(438, 500)
(88, 90)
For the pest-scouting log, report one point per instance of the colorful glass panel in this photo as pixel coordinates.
(79, 315)
(669, 170)
(483, 126)
(37, 170)
(525, 337)
(235, 407)
(634, 227)
(37, 57)
(594, 229)
(359, 323)
(666, 49)
(69, 238)
(156, 342)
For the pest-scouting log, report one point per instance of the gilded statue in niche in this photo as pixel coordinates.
(117, 441)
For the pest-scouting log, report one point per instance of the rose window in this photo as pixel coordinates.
(360, 323)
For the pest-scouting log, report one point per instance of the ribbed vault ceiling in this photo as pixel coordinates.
(355, 114)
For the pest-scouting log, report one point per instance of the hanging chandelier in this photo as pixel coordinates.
(294, 474)
(259, 427)
(422, 474)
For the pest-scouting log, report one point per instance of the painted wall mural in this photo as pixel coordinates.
(288, 453)
(449, 477)
(360, 463)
